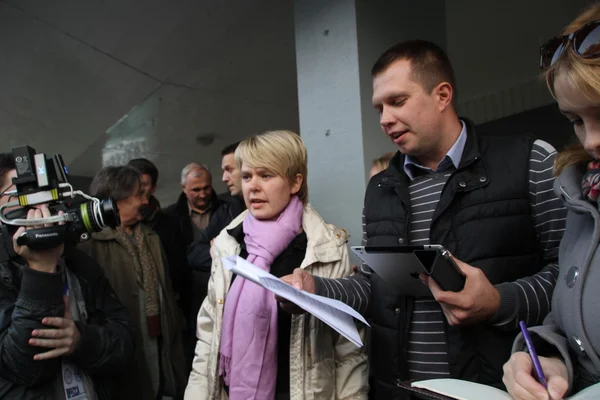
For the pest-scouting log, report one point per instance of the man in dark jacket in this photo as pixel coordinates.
(197, 203)
(487, 200)
(199, 258)
(168, 230)
(193, 211)
(62, 329)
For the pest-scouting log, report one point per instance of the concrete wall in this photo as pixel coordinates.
(104, 82)
(494, 47)
(95, 82)
(330, 109)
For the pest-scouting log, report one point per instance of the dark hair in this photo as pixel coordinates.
(145, 167)
(7, 164)
(229, 149)
(116, 182)
(429, 63)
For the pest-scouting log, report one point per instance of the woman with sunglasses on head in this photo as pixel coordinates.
(569, 341)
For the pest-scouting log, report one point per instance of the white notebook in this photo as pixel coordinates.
(464, 390)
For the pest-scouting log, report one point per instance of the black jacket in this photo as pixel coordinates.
(181, 213)
(168, 229)
(483, 218)
(27, 296)
(198, 256)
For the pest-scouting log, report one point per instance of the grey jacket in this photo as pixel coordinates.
(573, 326)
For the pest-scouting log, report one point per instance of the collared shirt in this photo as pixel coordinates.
(412, 167)
(199, 220)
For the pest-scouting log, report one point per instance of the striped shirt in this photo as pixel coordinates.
(526, 299)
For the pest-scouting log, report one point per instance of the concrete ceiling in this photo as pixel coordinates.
(72, 69)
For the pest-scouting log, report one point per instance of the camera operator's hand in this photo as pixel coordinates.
(40, 260)
(63, 338)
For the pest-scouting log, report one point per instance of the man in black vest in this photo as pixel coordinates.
(488, 200)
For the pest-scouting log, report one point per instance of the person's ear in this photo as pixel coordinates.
(444, 94)
(296, 184)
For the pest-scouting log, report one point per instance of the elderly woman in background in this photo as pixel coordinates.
(134, 262)
(247, 348)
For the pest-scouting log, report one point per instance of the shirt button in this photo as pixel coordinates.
(572, 276)
(220, 301)
(400, 240)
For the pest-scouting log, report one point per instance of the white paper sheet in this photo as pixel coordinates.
(334, 313)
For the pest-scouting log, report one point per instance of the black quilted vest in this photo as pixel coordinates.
(484, 218)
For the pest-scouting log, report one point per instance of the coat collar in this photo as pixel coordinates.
(471, 152)
(567, 186)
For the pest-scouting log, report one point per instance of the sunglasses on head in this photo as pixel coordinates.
(585, 42)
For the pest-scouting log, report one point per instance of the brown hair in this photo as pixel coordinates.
(118, 182)
(430, 65)
(581, 73)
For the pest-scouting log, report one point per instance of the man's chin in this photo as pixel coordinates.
(202, 207)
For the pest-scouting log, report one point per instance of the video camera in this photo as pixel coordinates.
(44, 180)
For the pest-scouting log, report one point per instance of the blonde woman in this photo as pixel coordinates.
(569, 341)
(247, 348)
(381, 164)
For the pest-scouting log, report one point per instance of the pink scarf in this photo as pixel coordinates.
(591, 182)
(248, 361)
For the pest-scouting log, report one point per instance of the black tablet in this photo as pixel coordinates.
(400, 267)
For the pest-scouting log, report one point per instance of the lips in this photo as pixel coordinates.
(397, 136)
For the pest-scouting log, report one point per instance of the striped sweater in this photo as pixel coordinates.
(427, 346)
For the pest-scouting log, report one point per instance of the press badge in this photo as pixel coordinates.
(73, 383)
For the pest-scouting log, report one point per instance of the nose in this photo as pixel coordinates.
(145, 200)
(225, 177)
(253, 184)
(592, 141)
(386, 118)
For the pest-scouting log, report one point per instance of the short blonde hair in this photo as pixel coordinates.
(580, 73)
(382, 163)
(281, 152)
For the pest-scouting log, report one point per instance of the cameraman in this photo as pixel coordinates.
(62, 330)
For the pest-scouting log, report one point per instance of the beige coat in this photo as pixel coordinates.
(323, 364)
(116, 262)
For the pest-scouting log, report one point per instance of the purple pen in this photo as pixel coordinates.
(537, 367)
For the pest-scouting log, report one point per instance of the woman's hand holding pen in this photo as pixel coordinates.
(522, 385)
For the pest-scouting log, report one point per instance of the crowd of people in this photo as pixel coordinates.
(146, 310)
